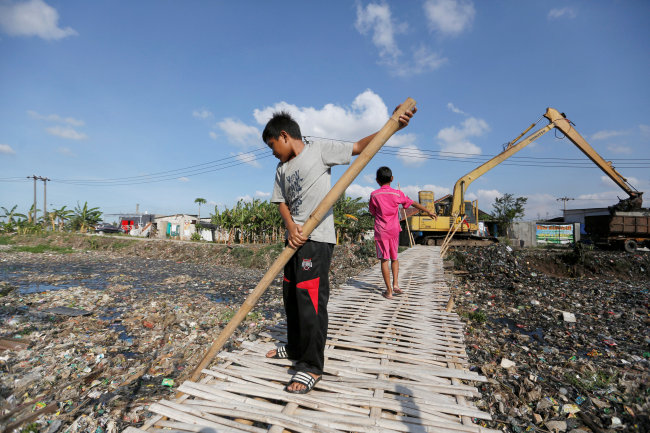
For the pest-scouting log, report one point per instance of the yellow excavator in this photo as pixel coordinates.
(460, 216)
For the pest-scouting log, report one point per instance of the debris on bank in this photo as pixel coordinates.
(89, 339)
(563, 335)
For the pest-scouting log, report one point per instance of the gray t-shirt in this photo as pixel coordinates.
(303, 182)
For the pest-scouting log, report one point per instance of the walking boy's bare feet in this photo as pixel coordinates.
(397, 290)
(386, 295)
(271, 353)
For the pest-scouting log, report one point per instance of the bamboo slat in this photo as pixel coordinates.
(391, 366)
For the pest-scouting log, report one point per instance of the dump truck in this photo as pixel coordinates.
(620, 229)
(459, 216)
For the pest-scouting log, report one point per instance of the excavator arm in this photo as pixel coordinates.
(635, 200)
(559, 121)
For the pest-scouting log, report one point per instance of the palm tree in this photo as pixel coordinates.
(200, 201)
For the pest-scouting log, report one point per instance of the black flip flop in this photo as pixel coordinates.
(280, 353)
(306, 379)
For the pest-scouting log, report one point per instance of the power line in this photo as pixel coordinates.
(420, 154)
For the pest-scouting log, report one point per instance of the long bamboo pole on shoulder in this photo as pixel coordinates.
(314, 219)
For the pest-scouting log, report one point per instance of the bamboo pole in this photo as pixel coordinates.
(406, 220)
(314, 219)
(450, 235)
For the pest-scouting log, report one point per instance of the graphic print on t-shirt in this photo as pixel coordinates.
(294, 188)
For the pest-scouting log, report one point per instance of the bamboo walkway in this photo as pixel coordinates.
(391, 366)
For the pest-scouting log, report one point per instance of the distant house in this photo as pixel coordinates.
(182, 227)
(135, 222)
(578, 215)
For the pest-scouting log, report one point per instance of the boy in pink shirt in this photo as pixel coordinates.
(384, 206)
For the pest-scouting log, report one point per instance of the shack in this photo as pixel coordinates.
(182, 227)
(135, 223)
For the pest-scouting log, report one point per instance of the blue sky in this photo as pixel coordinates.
(156, 103)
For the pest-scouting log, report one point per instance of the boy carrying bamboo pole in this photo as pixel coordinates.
(302, 180)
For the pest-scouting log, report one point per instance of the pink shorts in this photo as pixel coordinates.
(387, 248)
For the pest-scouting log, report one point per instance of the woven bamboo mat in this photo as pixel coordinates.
(391, 366)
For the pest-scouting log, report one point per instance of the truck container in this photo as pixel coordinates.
(627, 230)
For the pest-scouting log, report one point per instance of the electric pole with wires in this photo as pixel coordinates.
(564, 199)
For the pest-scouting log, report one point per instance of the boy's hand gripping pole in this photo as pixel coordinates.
(314, 219)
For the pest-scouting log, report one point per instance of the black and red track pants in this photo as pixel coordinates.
(306, 292)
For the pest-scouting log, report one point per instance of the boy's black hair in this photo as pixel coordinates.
(384, 175)
(281, 121)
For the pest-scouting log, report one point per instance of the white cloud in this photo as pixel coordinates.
(248, 158)
(542, 206)
(245, 198)
(239, 133)
(454, 109)
(566, 12)
(262, 194)
(377, 19)
(619, 149)
(413, 190)
(598, 199)
(55, 118)
(355, 190)
(456, 139)
(213, 135)
(423, 61)
(411, 155)
(604, 135)
(67, 133)
(32, 18)
(183, 179)
(369, 178)
(449, 17)
(367, 114)
(201, 114)
(485, 198)
(6, 149)
(607, 181)
(65, 151)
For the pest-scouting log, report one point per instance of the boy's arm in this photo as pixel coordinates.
(295, 237)
(404, 119)
(425, 210)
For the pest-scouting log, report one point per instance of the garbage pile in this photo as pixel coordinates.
(562, 335)
(89, 339)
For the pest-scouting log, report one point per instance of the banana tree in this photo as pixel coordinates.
(10, 216)
(60, 216)
(85, 217)
(351, 218)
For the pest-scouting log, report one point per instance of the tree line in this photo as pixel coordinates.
(253, 221)
(259, 221)
(81, 219)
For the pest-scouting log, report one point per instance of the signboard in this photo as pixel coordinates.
(554, 233)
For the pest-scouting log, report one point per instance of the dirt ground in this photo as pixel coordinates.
(98, 327)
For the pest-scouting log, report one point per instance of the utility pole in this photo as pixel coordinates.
(44, 179)
(564, 199)
(34, 213)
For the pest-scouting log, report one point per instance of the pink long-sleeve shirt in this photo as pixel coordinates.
(384, 206)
